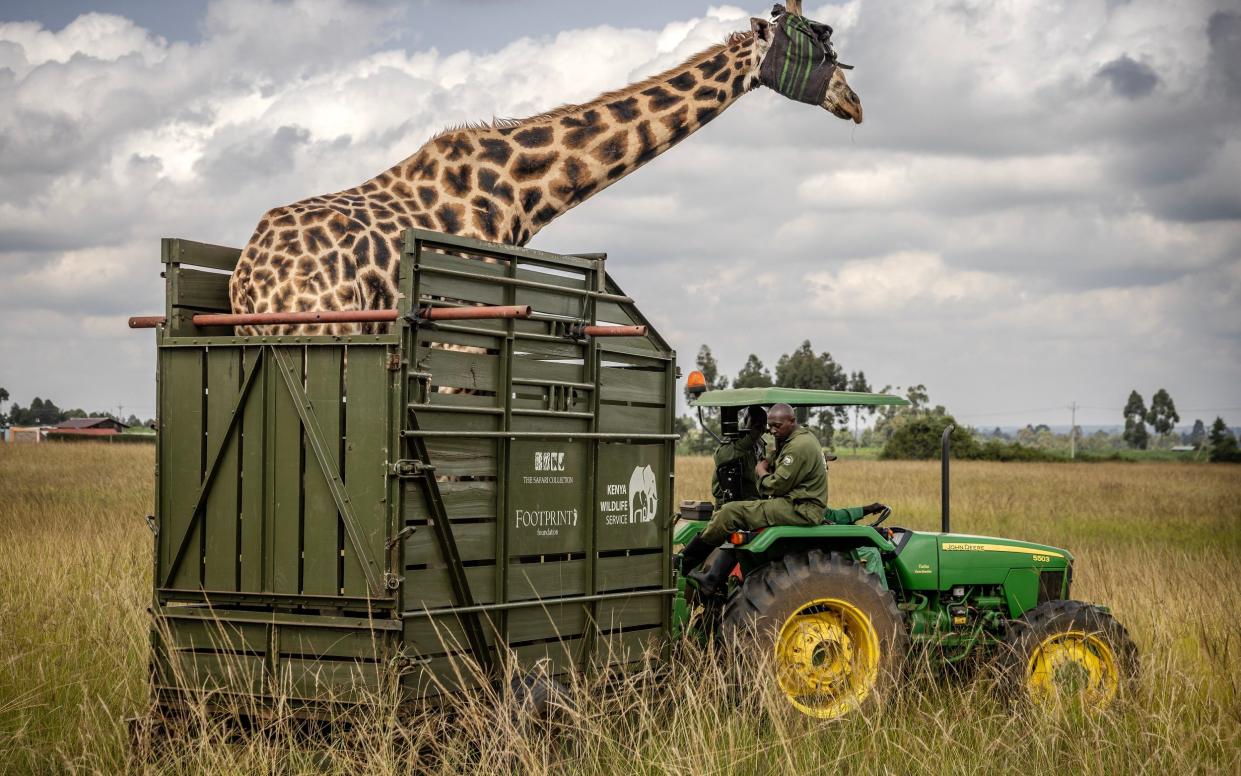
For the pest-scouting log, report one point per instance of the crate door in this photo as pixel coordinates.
(272, 470)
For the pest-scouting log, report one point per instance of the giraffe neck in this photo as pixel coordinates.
(507, 181)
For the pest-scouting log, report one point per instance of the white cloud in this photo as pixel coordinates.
(1003, 209)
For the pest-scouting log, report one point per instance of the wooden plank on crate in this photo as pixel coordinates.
(312, 642)
(286, 481)
(181, 422)
(427, 337)
(637, 420)
(475, 371)
(638, 385)
(428, 636)
(201, 290)
(475, 541)
(463, 456)
(611, 312)
(545, 369)
(473, 266)
(366, 455)
(219, 517)
(321, 519)
(220, 673)
(627, 613)
(630, 571)
(346, 681)
(436, 285)
(218, 635)
(253, 422)
(555, 579)
(551, 302)
(463, 422)
(431, 588)
(175, 250)
(461, 499)
(553, 621)
(561, 656)
(576, 280)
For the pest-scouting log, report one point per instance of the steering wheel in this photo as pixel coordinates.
(887, 511)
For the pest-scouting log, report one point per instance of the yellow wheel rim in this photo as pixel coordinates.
(827, 657)
(1073, 665)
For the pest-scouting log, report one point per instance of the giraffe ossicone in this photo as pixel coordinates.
(506, 180)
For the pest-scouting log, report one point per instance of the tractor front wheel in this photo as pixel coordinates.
(1068, 652)
(823, 628)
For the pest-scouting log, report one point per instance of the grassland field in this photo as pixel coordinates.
(1160, 543)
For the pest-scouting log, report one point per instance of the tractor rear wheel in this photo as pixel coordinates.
(1068, 651)
(823, 628)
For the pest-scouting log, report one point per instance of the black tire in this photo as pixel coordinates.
(1063, 648)
(847, 667)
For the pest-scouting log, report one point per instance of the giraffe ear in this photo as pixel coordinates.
(761, 29)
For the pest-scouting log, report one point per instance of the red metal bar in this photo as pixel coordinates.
(614, 331)
(474, 313)
(310, 316)
(338, 316)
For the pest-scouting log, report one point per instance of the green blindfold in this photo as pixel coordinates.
(800, 62)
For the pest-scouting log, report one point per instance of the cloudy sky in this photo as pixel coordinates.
(1042, 206)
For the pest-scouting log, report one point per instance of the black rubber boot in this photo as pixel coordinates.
(694, 553)
(711, 578)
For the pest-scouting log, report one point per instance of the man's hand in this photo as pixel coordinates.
(761, 470)
(873, 509)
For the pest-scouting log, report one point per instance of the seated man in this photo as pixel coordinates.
(733, 478)
(793, 482)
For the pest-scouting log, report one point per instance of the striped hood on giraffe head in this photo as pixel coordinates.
(798, 61)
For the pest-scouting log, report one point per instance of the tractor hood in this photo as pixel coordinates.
(990, 551)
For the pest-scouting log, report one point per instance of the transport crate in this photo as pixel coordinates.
(337, 516)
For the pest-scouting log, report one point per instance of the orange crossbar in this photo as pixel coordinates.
(339, 316)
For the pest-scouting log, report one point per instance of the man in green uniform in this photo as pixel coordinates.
(793, 483)
(733, 478)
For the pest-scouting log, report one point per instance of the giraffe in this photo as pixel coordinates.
(505, 180)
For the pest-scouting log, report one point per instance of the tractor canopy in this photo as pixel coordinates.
(796, 397)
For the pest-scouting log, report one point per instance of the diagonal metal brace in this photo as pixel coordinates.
(310, 424)
(213, 467)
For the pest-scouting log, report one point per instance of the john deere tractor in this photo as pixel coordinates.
(836, 610)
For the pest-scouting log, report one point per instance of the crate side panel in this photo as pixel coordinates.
(285, 466)
(253, 489)
(321, 519)
(181, 444)
(628, 572)
(430, 588)
(366, 455)
(220, 516)
(552, 579)
(475, 541)
(634, 496)
(462, 456)
(201, 290)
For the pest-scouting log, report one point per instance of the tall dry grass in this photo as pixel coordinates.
(1157, 542)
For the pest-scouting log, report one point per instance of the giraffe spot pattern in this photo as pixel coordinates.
(612, 149)
(495, 150)
(625, 110)
(661, 98)
(534, 137)
(528, 166)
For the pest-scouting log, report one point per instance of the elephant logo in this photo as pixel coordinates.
(643, 495)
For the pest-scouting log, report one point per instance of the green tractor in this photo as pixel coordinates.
(838, 609)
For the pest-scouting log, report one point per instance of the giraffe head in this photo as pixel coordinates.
(794, 56)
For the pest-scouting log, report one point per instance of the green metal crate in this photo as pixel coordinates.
(338, 516)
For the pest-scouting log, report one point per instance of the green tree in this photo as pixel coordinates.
(1135, 422)
(4, 396)
(858, 383)
(803, 369)
(1198, 435)
(1162, 414)
(1223, 444)
(753, 374)
(919, 436)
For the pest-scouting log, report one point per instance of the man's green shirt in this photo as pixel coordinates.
(799, 473)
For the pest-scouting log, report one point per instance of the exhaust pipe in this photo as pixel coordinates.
(945, 448)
